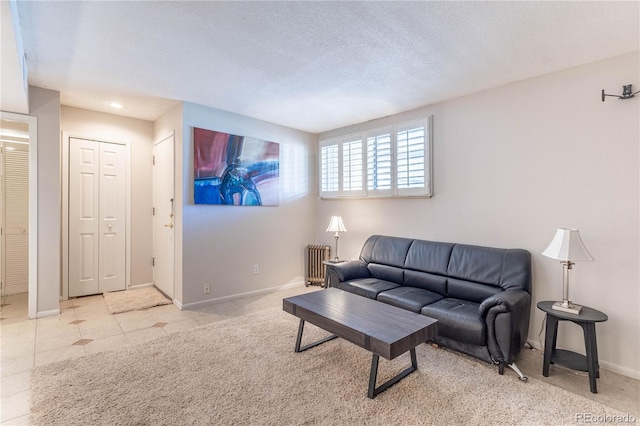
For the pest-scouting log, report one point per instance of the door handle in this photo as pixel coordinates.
(169, 225)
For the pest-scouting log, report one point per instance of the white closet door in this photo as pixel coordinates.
(97, 192)
(112, 217)
(16, 231)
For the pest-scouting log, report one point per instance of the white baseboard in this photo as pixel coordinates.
(238, 296)
(606, 365)
(634, 374)
(133, 287)
(51, 313)
(177, 304)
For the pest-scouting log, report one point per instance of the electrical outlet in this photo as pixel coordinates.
(256, 269)
(206, 289)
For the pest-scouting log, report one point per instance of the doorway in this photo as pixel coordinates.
(95, 216)
(19, 207)
(14, 211)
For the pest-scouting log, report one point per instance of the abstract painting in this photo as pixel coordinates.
(234, 170)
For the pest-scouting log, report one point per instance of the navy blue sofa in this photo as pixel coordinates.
(481, 296)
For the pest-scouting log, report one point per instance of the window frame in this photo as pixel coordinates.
(367, 191)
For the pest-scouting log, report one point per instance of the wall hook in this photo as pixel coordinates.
(627, 93)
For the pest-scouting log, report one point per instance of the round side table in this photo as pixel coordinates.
(587, 319)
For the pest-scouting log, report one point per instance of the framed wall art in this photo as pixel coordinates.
(235, 170)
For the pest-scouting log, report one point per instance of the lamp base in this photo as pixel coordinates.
(569, 308)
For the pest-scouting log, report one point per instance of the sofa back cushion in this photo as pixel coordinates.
(452, 270)
(426, 281)
(386, 272)
(470, 290)
(502, 268)
(429, 256)
(474, 263)
(390, 251)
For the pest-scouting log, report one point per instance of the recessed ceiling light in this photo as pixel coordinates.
(115, 105)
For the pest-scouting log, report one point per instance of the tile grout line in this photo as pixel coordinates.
(75, 318)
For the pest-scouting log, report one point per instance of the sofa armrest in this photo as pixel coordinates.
(505, 300)
(507, 318)
(344, 271)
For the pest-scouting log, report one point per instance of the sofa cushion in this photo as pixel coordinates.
(458, 320)
(367, 287)
(469, 290)
(429, 256)
(409, 298)
(386, 272)
(390, 251)
(426, 281)
(474, 263)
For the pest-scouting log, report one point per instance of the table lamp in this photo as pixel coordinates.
(336, 225)
(567, 247)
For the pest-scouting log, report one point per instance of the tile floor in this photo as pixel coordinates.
(85, 326)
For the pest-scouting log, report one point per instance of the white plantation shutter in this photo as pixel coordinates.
(329, 168)
(393, 161)
(411, 156)
(379, 162)
(352, 165)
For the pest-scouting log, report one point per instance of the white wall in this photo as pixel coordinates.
(514, 163)
(45, 105)
(222, 243)
(139, 135)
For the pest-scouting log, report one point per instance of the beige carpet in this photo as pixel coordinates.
(243, 371)
(134, 300)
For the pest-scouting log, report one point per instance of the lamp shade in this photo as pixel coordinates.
(567, 246)
(336, 225)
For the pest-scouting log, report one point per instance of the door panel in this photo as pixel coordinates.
(163, 220)
(84, 157)
(112, 213)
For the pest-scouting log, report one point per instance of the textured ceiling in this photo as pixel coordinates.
(313, 66)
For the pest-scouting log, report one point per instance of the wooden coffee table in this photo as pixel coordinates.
(382, 329)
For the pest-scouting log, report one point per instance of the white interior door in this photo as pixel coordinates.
(15, 218)
(112, 217)
(163, 219)
(97, 195)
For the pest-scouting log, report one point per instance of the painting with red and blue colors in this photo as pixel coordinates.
(235, 170)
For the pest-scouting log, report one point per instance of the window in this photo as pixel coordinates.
(393, 161)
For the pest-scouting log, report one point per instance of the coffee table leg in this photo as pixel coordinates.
(310, 345)
(373, 391)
